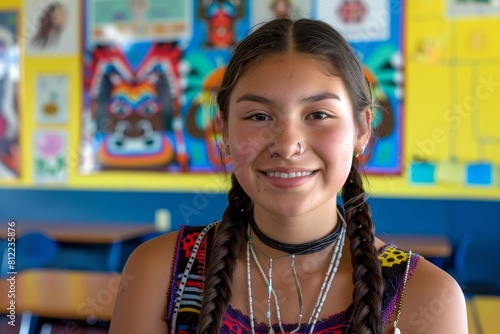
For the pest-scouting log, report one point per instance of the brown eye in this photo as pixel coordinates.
(259, 117)
(318, 115)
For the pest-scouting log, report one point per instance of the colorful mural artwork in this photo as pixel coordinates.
(9, 108)
(150, 83)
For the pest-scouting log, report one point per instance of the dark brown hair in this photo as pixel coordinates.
(47, 27)
(321, 41)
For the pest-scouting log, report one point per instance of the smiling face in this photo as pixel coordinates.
(285, 100)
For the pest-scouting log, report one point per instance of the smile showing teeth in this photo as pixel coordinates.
(288, 175)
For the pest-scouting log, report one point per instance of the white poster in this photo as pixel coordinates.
(358, 21)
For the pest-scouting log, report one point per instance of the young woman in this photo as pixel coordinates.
(286, 257)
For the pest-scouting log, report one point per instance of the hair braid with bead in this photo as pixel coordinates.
(224, 252)
(367, 272)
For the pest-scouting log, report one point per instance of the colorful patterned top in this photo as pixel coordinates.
(186, 285)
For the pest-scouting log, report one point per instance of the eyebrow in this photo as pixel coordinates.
(253, 98)
(314, 98)
(322, 96)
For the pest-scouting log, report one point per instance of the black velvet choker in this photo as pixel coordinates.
(297, 249)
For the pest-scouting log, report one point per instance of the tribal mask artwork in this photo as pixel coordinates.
(134, 108)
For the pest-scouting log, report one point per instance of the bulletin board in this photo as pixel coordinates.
(434, 68)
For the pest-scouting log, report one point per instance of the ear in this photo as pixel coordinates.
(221, 125)
(364, 130)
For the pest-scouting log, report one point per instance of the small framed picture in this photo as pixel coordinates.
(52, 93)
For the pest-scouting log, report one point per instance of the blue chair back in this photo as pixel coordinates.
(35, 249)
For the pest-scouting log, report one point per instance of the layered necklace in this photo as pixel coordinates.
(337, 237)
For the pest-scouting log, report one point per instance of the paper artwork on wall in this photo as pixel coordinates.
(480, 174)
(358, 20)
(428, 50)
(52, 94)
(49, 165)
(266, 10)
(52, 27)
(9, 105)
(457, 8)
(138, 20)
(450, 172)
(422, 173)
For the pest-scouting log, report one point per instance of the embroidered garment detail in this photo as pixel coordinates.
(392, 259)
(236, 322)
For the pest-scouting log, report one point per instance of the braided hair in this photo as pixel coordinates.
(225, 250)
(321, 41)
(367, 272)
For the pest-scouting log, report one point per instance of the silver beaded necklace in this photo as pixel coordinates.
(325, 288)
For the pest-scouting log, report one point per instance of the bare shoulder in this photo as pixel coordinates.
(433, 302)
(140, 305)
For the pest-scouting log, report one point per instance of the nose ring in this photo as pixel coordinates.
(275, 155)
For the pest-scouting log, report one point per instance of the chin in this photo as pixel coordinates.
(289, 209)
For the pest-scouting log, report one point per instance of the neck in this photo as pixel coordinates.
(301, 229)
(307, 245)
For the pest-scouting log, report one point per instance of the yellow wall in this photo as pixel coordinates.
(447, 62)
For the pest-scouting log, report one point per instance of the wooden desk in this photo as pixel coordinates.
(83, 232)
(63, 294)
(485, 310)
(471, 319)
(87, 233)
(427, 246)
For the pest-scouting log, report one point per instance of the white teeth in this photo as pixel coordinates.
(288, 175)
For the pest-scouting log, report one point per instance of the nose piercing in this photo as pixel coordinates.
(273, 155)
